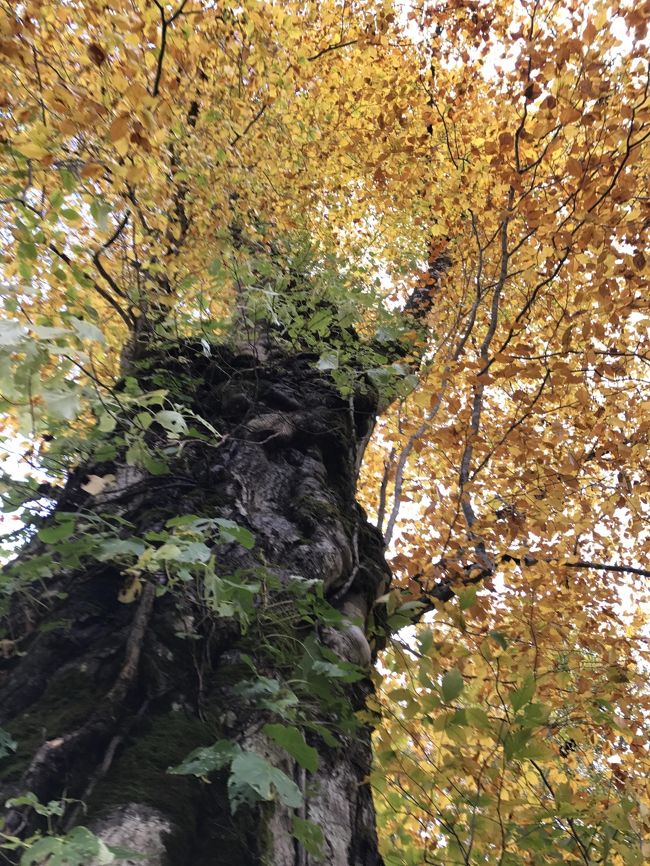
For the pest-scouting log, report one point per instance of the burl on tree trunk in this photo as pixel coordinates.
(103, 696)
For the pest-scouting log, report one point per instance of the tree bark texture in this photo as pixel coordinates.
(103, 697)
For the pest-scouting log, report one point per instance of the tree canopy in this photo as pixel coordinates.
(338, 162)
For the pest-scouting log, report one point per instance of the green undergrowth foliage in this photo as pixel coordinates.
(169, 757)
(147, 428)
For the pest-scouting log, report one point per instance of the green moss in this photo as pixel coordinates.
(311, 511)
(66, 703)
(319, 509)
(139, 775)
(204, 833)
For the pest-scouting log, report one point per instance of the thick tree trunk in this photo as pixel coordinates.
(104, 696)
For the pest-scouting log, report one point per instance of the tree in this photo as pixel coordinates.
(235, 236)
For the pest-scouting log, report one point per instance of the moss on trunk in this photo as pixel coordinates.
(143, 684)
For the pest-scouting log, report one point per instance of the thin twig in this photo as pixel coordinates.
(329, 48)
(248, 126)
(98, 263)
(403, 459)
(130, 322)
(381, 509)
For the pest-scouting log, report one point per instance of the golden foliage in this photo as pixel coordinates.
(136, 136)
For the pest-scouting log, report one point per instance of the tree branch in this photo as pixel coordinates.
(100, 291)
(606, 566)
(248, 126)
(443, 591)
(165, 23)
(420, 300)
(98, 263)
(404, 456)
(329, 48)
(572, 830)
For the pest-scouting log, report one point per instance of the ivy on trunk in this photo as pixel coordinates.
(210, 618)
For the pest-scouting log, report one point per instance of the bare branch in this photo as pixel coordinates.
(381, 510)
(403, 459)
(445, 589)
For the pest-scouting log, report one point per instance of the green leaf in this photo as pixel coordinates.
(52, 534)
(154, 466)
(563, 793)
(328, 361)
(270, 695)
(167, 552)
(107, 422)
(27, 250)
(216, 269)
(56, 199)
(287, 790)
(467, 597)
(309, 835)
(401, 694)
(194, 552)
(499, 638)
(320, 322)
(537, 751)
(86, 330)
(515, 742)
(425, 640)
(207, 759)
(253, 778)
(99, 210)
(338, 670)
(61, 404)
(7, 743)
(478, 718)
(452, 684)
(43, 332)
(183, 520)
(536, 714)
(523, 695)
(11, 332)
(25, 270)
(79, 848)
(144, 420)
(292, 740)
(115, 548)
(231, 531)
(171, 421)
(54, 807)
(68, 178)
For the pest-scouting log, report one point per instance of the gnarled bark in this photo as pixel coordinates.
(104, 696)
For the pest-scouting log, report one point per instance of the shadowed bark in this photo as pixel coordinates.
(103, 697)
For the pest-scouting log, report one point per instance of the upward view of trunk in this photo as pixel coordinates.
(103, 697)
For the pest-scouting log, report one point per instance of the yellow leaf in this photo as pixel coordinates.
(135, 173)
(136, 94)
(130, 591)
(97, 483)
(122, 146)
(92, 169)
(31, 150)
(119, 128)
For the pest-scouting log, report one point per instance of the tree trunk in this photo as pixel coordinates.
(115, 672)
